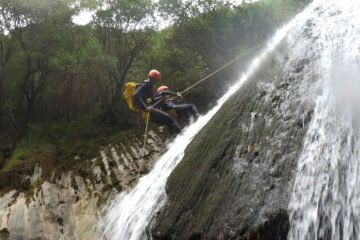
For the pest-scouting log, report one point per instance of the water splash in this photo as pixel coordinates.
(130, 213)
(325, 203)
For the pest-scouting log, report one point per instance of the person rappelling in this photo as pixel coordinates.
(143, 99)
(167, 104)
(140, 97)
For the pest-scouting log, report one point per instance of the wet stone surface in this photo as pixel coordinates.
(236, 176)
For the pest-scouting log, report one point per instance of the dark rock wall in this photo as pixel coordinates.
(236, 176)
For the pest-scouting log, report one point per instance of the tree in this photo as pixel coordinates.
(181, 12)
(6, 49)
(123, 30)
(214, 32)
(28, 68)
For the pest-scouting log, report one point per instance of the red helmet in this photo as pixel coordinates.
(162, 88)
(155, 74)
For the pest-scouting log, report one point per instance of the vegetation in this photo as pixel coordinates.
(4, 234)
(61, 84)
(32, 190)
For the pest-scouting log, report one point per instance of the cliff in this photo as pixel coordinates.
(69, 204)
(235, 179)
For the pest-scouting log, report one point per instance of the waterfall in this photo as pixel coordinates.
(130, 214)
(325, 201)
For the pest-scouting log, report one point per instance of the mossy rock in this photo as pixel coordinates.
(4, 234)
(32, 190)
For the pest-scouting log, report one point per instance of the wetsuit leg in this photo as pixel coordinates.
(186, 110)
(161, 117)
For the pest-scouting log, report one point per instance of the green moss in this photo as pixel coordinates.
(252, 106)
(32, 190)
(4, 234)
(30, 150)
(59, 147)
(270, 135)
(244, 136)
(279, 101)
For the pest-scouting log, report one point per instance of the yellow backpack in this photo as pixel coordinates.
(128, 94)
(130, 89)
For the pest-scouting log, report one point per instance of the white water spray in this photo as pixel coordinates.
(131, 213)
(325, 203)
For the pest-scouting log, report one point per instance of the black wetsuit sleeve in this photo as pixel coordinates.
(167, 93)
(139, 92)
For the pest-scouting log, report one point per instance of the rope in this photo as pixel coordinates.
(144, 146)
(218, 70)
(146, 129)
(224, 66)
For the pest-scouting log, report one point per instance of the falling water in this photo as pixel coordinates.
(325, 202)
(130, 214)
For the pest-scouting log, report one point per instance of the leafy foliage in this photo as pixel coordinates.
(61, 84)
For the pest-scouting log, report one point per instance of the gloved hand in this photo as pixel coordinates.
(179, 95)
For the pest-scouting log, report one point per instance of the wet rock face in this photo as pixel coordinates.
(69, 205)
(235, 179)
